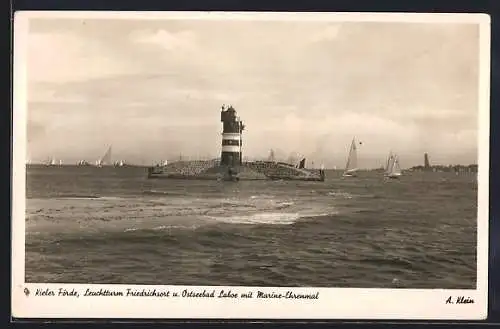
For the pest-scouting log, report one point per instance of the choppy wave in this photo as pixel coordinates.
(105, 213)
(417, 233)
(162, 193)
(261, 218)
(77, 196)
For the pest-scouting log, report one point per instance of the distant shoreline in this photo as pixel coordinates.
(435, 168)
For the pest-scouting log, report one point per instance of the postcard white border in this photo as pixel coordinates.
(333, 303)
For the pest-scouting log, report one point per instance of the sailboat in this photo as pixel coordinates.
(393, 169)
(51, 162)
(82, 163)
(388, 163)
(301, 164)
(106, 159)
(351, 166)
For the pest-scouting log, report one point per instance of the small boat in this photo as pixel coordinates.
(302, 164)
(393, 169)
(351, 166)
(51, 162)
(82, 163)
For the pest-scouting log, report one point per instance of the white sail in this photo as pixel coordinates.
(352, 160)
(396, 169)
(390, 159)
(393, 170)
(106, 158)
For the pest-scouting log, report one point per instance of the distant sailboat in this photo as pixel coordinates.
(83, 163)
(301, 164)
(393, 169)
(351, 166)
(388, 164)
(106, 159)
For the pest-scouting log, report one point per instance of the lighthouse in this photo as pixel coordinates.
(232, 128)
(230, 166)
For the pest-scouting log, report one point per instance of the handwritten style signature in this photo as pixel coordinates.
(459, 300)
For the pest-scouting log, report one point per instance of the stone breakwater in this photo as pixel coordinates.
(257, 170)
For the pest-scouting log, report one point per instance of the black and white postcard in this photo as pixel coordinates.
(250, 165)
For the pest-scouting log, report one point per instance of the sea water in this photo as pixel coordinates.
(113, 225)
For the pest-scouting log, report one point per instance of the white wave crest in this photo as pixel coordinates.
(344, 195)
(261, 218)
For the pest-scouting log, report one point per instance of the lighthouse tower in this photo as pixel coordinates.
(232, 128)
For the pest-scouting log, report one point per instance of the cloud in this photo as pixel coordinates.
(65, 56)
(172, 41)
(35, 130)
(154, 89)
(330, 33)
(43, 92)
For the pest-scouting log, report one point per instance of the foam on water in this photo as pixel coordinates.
(261, 218)
(162, 227)
(261, 196)
(161, 193)
(340, 194)
(111, 214)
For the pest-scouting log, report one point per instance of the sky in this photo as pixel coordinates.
(153, 89)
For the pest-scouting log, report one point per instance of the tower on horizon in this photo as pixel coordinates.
(426, 161)
(232, 129)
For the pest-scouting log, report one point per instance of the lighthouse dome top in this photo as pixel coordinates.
(228, 108)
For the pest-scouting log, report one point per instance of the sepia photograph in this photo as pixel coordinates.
(232, 150)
